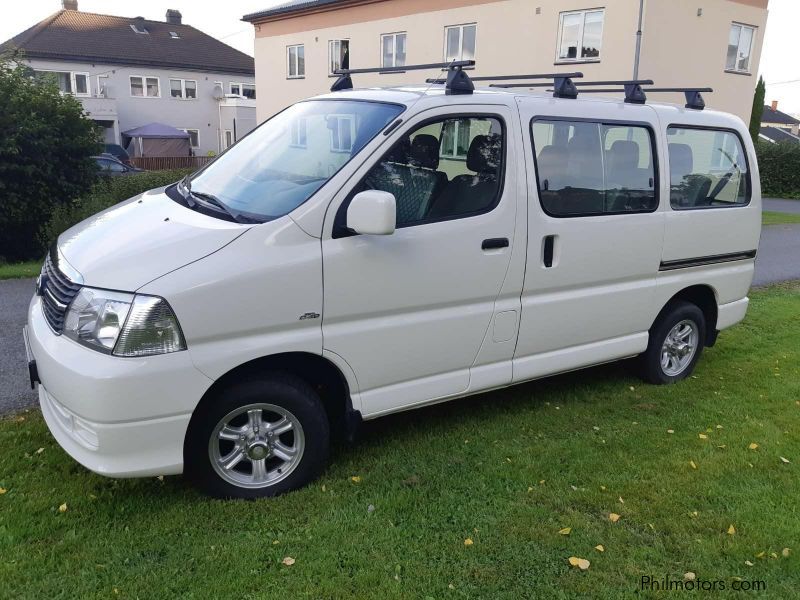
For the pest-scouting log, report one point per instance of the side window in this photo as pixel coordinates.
(707, 168)
(586, 168)
(444, 169)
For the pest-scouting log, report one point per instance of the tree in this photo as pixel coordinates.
(758, 109)
(46, 145)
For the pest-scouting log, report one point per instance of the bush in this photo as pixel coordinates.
(103, 195)
(46, 145)
(779, 165)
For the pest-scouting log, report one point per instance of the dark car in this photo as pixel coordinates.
(108, 166)
(119, 153)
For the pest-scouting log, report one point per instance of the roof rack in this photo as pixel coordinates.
(457, 82)
(694, 99)
(563, 86)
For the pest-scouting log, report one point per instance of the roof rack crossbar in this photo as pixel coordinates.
(574, 75)
(694, 98)
(457, 82)
(620, 82)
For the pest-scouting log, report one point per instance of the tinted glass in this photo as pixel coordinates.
(588, 168)
(707, 168)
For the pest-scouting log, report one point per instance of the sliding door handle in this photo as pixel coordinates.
(547, 250)
(494, 243)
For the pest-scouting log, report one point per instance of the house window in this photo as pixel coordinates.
(139, 29)
(338, 55)
(580, 35)
(393, 50)
(174, 35)
(102, 82)
(740, 45)
(296, 62)
(459, 42)
(145, 87)
(68, 82)
(455, 139)
(343, 132)
(183, 88)
(194, 137)
(243, 90)
(236, 89)
(299, 133)
(228, 138)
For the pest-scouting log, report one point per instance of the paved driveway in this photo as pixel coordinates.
(781, 205)
(778, 260)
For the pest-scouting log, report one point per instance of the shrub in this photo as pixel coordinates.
(779, 165)
(46, 145)
(103, 195)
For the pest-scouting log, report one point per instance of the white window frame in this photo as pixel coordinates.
(240, 86)
(460, 40)
(225, 134)
(300, 126)
(189, 130)
(142, 31)
(297, 74)
(394, 47)
(331, 66)
(102, 84)
(144, 79)
(453, 151)
(735, 68)
(336, 145)
(72, 83)
(183, 95)
(583, 13)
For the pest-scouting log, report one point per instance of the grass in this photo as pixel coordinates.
(20, 270)
(508, 470)
(779, 218)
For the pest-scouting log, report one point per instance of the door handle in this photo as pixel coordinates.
(494, 243)
(547, 250)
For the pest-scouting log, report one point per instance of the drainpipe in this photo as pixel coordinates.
(638, 42)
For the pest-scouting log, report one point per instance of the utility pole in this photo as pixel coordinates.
(638, 42)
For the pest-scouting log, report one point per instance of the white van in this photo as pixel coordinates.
(371, 251)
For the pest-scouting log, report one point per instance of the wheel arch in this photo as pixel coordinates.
(704, 297)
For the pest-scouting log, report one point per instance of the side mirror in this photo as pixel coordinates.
(372, 212)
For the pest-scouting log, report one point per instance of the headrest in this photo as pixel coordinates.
(425, 151)
(624, 154)
(400, 153)
(552, 157)
(681, 161)
(483, 155)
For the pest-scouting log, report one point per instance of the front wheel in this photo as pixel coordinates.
(261, 437)
(676, 342)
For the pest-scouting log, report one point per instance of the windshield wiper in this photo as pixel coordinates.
(210, 199)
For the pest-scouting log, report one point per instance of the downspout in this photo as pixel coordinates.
(638, 42)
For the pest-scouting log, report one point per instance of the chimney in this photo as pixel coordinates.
(174, 17)
(774, 105)
(69, 4)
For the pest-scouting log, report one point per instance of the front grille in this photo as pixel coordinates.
(57, 291)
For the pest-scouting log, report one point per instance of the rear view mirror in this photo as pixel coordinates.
(372, 212)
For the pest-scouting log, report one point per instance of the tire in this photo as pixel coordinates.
(258, 438)
(686, 325)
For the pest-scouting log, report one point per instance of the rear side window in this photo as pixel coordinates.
(586, 168)
(707, 168)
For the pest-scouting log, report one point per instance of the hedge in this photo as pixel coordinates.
(779, 165)
(104, 194)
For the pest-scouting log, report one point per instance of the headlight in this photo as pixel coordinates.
(123, 324)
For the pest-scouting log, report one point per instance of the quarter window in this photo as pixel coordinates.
(588, 168)
(183, 88)
(145, 87)
(338, 55)
(707, 168)
(393, 50)
(428, 186)
(740, 45)
(296, 62)
(580, 35)
(459, 42)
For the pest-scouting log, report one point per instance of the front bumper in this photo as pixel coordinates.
(120, 417)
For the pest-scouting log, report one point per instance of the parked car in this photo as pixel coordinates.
(108, 166)
(372, 251)
(119, 153)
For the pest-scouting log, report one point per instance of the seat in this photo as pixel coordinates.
(628, 187)
(687, 189)
(472, 193)
(424, 154)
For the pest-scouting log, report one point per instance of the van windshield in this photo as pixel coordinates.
(283, 162)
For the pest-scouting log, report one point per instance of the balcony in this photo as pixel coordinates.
(100, 108)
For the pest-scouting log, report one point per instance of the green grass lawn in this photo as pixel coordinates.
(507, 470)
(779, 218)
(20, 270)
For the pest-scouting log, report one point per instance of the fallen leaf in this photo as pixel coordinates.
(581, 563)
(602, 488)
(565, 531)
(40, 450)
(600, 548)
(753, 446)
(371, 508)
(694, 513)
(288, 561)
(596, 428)
(632, 388)
(722, 446)
(731, 530)
(670, 431)
(275, 542)
(451, 586)
(63, 508)
(160, 478)
(530, 489)
(702, 436)
(2, 491)
(541, 482)
(621, 501)
(355, 479)
(761, 554)
(691, 463)
(719, 426)
(785, 552)
(773, 555)
(689, 576)
(468, 542)
(748, 563)
(613, 517)
(785, 460)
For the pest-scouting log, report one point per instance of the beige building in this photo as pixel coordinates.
(714, 43)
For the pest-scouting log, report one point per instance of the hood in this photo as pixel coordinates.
(136, 241)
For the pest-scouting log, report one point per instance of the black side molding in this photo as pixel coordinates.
(685, 263)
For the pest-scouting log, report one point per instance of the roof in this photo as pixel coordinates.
(90, 37)
(776, 116)
(287, 8)
(156, 130)
(774, 134)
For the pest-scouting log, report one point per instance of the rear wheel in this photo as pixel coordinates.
(676, 342)
(260, 437)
